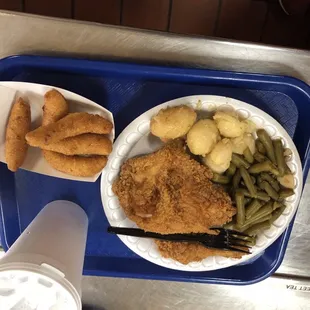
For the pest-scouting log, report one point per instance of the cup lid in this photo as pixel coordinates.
(28, 289)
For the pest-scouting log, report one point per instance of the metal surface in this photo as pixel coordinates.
(25, 34)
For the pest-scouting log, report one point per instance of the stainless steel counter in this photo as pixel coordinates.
(288, 288)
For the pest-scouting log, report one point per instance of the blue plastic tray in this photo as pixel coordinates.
(128, 90)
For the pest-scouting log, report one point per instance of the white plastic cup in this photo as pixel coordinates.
(53, 246)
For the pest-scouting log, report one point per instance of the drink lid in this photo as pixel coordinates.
(33, 287)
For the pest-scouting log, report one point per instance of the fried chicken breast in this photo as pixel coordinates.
(168, 192)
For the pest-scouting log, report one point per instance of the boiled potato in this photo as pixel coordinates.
(173, 122)
(219, 158)
(287, 181)
(228, 125)
(202, 137)
(249, 126)
(239, 144)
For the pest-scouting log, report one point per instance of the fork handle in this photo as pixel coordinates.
(136, 232)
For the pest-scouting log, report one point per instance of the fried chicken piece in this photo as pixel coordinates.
(73, 124)
(76, 165)
(18, 126)
(185, 252)
(86, 144)
(55, 107)
(168, 192)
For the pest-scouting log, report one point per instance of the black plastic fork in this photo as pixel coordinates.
(229, 240)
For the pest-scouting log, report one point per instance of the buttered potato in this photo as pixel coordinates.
(239, 144)
(202, 137)
(219, 158)
(173, 122)
(228, 125)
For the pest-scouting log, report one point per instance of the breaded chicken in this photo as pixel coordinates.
(73, 124)
(76, 165)
(185, 252)
(18, 126)
(86, 144)
(168, 192)
(55, 107)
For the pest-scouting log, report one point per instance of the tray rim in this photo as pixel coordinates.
(17, 60)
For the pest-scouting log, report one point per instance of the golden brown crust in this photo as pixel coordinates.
(185, 252)
(18, 126)
(55, 107)
(168, 192)
(173, 122)
(86, 144)
(76, 165)
(73, 124)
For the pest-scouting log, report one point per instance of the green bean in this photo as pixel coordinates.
(231, 170)
(284, 193)
(260, 147)
(267, 142)
(248, 181)
(269, 190)
(253, 230)
(287, 169)
(239, 197)
(230, 225)
(221, 179)
(259, 194)
(248, 156)
(249, 223)
(273, 182)
(253, 207)
(259, 157)
(239, 161)
(276, 214)
(247, 200)
(277, 205)
(236, 179)
(263, 211)
(278, 150)
(265, 166)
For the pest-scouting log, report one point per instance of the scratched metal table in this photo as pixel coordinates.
(289, 287)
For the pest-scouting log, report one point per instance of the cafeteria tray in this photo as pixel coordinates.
(128, 90)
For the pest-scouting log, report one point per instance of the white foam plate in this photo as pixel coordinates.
(135, 140)
(34, 95)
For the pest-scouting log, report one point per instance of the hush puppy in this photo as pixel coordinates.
(18, 126)
(173, 122)
(55, 107)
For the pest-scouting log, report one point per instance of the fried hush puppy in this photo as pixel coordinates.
(55, 107)
(73, 124)
(86, 144)
(76, 165)
(18, 126)
(173, 122)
